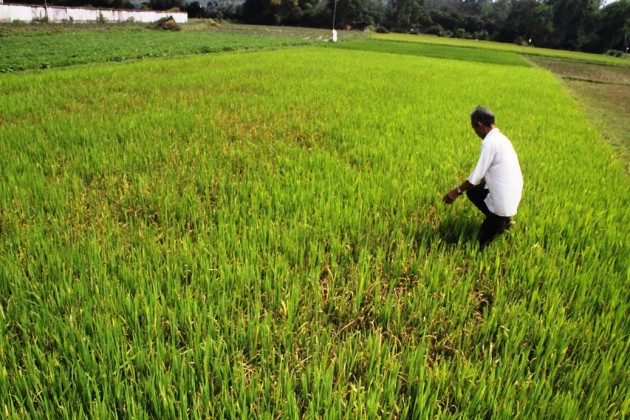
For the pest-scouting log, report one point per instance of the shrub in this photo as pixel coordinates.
(166, 24)
(483, 34)
(615, 53)
(435, 30)
(459, 33)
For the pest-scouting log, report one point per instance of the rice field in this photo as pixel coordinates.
(527, 50)
(262, 235)
(451, 52)
(29, 47)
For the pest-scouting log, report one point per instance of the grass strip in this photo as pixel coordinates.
(436, 51)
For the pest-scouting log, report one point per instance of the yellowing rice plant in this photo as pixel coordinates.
(262, 235)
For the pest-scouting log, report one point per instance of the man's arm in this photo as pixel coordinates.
(488, 151)
(456, 192)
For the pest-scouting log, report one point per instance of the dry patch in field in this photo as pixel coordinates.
(603, 92)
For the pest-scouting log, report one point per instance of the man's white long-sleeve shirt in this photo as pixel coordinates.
(498, 164)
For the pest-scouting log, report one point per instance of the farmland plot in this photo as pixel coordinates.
(26, 47)
(263, 235)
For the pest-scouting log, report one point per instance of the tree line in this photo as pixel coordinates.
(580, 25)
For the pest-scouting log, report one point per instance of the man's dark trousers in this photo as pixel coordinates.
(494, 225)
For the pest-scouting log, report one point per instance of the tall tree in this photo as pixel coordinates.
(495, 15)
(474, 7)
(261, 11)
(613, 29)
(166, 4)
(573, 22)
(528, 21)
(351, 13)
(408, 15)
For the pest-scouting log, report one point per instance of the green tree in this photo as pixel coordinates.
(408, 15)
(447, 20)
(528, 20)
(473, 7)
(195, 10)
(351, 13)
(613, 28)
(261, 11)
(377, 11)
(574, 22)
(166, 4)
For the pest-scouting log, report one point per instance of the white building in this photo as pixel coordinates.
(56, 14)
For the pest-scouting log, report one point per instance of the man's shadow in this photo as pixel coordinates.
(457, 229)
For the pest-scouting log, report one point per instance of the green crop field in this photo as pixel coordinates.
(25, 47)
(436, 51)
(262, 235)
(499, 46)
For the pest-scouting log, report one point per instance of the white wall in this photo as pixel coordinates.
(27, 13)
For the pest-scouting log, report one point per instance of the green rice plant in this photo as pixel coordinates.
(262, 235)
(499, 46)
(45, 50)
(436, 51)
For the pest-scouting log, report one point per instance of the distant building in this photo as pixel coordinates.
(210, 4)
(60, 14)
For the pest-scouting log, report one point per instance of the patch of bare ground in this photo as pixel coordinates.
(603, 92)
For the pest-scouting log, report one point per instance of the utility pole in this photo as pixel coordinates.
(334, 32)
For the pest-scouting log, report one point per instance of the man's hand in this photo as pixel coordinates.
(450, 196)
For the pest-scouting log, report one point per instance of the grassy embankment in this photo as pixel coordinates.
(488, 46)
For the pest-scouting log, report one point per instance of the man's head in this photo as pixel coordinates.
(482, 120)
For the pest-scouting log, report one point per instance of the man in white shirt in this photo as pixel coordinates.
(496, 184)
